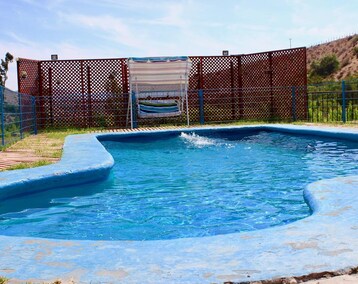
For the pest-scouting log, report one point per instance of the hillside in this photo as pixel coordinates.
(343, 49)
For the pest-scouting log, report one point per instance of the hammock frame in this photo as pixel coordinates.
(158, 87)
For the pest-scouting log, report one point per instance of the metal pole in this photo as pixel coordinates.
(232, 85)
(134, 123)
(134, 105)
(89, 94)
(239, 78)
(131, 108)
(83, 98)
(293, 103)
(20, 114)
(344, 102)
(50, 95)
(2, 116)
(34, 114)
(186, 78)
(270, 72)
(201, 106)
(187, 109)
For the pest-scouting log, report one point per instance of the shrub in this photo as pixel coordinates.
(324, 67)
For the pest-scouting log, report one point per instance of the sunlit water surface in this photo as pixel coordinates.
(186, 185)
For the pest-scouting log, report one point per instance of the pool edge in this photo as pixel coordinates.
(327, 240)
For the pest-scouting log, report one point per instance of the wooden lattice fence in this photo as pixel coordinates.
(94, 93)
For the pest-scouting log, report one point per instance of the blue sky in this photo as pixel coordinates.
(123, 28)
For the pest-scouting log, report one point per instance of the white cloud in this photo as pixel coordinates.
(123, 28)
(313, 23)
(18, 39)
(109, 27)
(174, 16)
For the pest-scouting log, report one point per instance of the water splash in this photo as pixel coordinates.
(197, 140)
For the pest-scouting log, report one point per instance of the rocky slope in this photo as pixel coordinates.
(344, 50)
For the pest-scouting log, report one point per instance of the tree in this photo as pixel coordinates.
(324, 67)
(4, 67)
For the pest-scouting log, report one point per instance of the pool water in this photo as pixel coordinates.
(177, 185)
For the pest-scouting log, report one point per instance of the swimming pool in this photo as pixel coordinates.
(324, 241)
(186, 184)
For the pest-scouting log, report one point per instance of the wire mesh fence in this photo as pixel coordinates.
(333, 102)
(328, 102)
(18, 115)
(112, 110)
(94, 93)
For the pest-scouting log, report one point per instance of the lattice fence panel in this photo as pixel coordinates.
(194, 106)
(217, 72)
(255, 72)
(87, 93)
(213, 72)
(282, 103)
(256, 103)
(219, 105)
(104, 81)
(61, 84)
(195, 73)
(83, 93)
(28, 76)
(288, 69)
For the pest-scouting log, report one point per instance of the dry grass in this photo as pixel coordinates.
(36, 150)
(41, 145)
(39, 150)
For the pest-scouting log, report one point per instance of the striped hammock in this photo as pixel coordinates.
(159, 85)
(158, 108)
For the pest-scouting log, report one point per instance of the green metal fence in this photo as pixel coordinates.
(17, 114)
(322, 103)
(333, 102)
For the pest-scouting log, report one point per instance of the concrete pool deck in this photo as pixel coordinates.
(325, 241)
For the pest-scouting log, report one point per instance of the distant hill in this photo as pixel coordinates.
(344, 50)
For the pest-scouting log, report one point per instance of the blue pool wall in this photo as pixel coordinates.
(84, 160)
(325, 241)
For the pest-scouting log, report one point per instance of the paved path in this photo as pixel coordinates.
(30, 153)
(30, 149)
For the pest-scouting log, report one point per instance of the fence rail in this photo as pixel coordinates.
(23, 114)
(330, 102)
(17, 114)
(333, 102)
